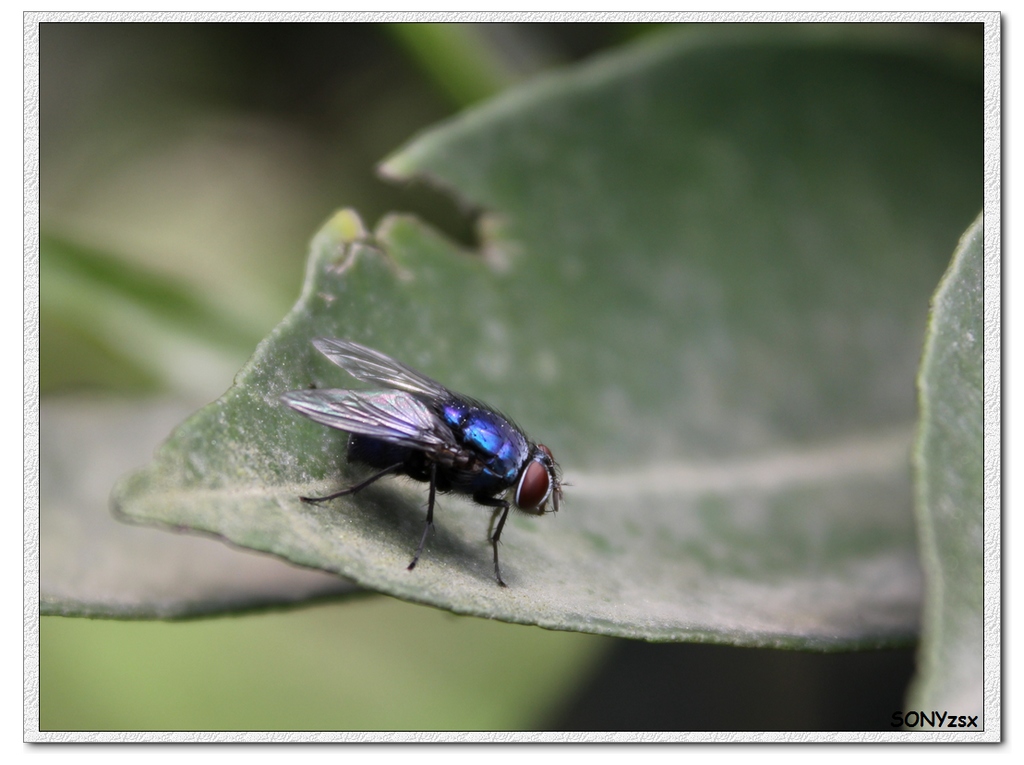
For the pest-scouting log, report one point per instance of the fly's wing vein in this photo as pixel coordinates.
(375, 367)
(392, 416)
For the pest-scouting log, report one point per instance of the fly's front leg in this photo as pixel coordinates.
(430, 515)
(500, 506)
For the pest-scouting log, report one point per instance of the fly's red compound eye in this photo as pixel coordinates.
(533, 487)
(547, 451)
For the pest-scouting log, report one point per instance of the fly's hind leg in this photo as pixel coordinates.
(354, 489)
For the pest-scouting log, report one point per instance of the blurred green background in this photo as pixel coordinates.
(183, 169)
(205, 156)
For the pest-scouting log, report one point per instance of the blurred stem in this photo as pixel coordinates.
(457, 57)
(157, 333)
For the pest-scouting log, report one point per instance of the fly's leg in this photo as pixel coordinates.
(500, 506)
(354, 489)
(430, 516)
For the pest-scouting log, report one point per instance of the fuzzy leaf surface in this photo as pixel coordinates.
(705, 277)
(949, 464)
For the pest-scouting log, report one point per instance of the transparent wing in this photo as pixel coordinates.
(373, 366)
(391, 416)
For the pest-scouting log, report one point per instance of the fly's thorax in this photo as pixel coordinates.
(496, 442)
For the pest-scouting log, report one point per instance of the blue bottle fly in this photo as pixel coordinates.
(420, 429)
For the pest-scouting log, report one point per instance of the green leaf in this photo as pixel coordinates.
(706, 269)
(949, 476)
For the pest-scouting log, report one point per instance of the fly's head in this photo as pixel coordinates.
(538, 483)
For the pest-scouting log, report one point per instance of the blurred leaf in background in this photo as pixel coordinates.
(374, 664)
